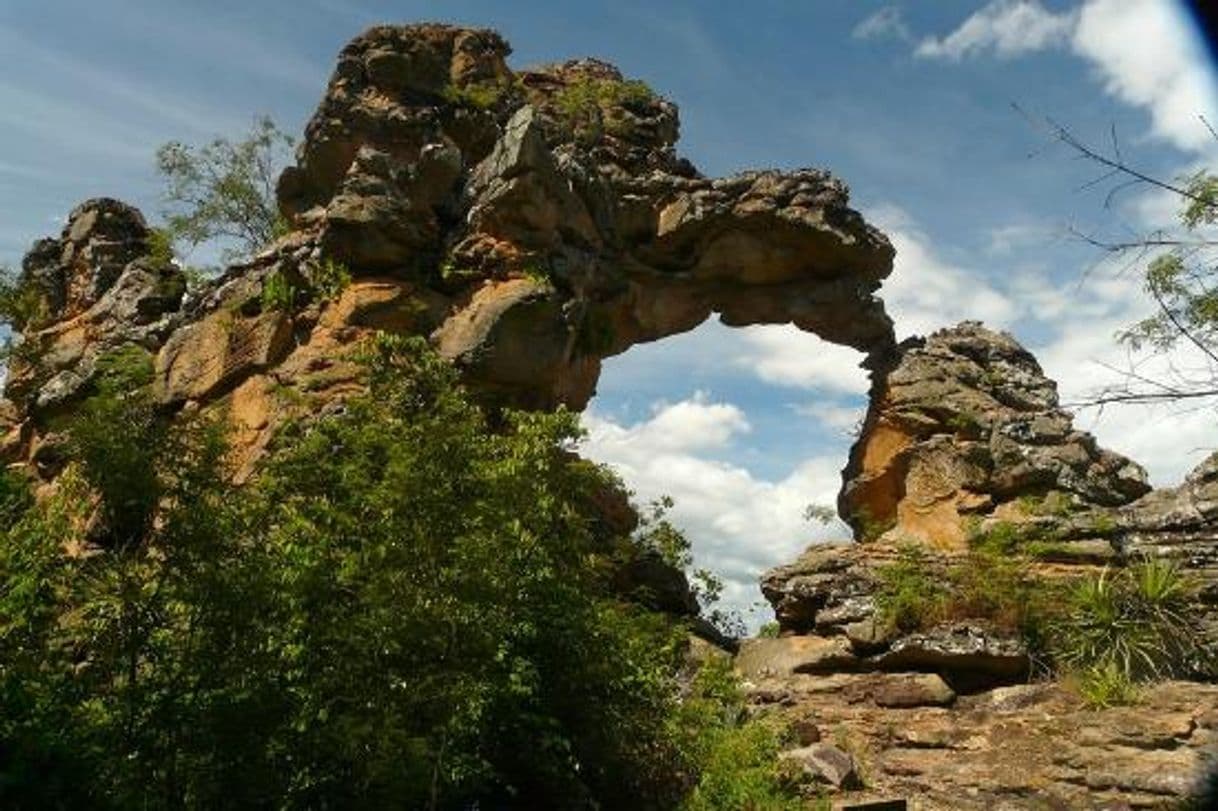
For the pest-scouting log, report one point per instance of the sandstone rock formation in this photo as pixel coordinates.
(100, 287)
(963, 425)
(529, 223)
(1013, 748)
(964, 443)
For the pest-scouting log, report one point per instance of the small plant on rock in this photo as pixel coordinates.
(328, 279)
(1135, 620)
(278, 293)
(911, 596)
(21, 305)
(1106, 685)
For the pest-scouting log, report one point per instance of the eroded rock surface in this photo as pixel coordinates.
(99, 287)
(963, 425)
(529, 223)
(1021, 747)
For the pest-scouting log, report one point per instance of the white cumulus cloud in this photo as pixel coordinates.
(740, 524)
(1143, 52)
(1005, 27)
(887, 23)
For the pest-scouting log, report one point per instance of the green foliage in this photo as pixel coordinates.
(373, 622)
(1054, 503)
(869, 527)
(659, 536)
(538, 274)
(455, 275)
(964, 423)
(160, 246)
(15, 496)
(740, 764)
(588, 104)
(911, 596)
(820, 513)
(769, 631)
(1181, 280)
(278, 293)
(988, 584)
(21, 305)
(1202, 206)
(1136, 620)
(484, 95)
(225, 189)
(328, 279)
(1106, 685)
(123, 370)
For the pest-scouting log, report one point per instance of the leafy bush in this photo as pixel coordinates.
(741, 768)
(376, 621)
(1135, 620)
(587, 105)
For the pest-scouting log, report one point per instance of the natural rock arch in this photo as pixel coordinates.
(529, 223)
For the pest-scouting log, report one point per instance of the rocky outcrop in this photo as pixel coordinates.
(529, 223)
(97, 288)
(962, 426)
(967, 461)
(550, 208)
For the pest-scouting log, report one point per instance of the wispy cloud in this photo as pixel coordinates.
(1005, 27)
(1148, 55)
(887, 23)
(926, 291)
(740, 523)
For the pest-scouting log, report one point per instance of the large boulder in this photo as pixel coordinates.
(963, 426)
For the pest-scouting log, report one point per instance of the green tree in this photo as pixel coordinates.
(374, 622)
(225, 190)
(1180, 274)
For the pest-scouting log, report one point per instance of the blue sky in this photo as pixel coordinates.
(909, 102)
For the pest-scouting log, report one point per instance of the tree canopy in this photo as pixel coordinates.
(225, 190)
(373, 622)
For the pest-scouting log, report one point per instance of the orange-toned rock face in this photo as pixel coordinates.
(963, 425)
(528, 223)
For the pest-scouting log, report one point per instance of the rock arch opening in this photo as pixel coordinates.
(744, 427)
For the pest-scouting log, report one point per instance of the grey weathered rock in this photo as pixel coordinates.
(761, 658)
(826, 764)
(100, 289)
(961, 649)
(963, 425)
